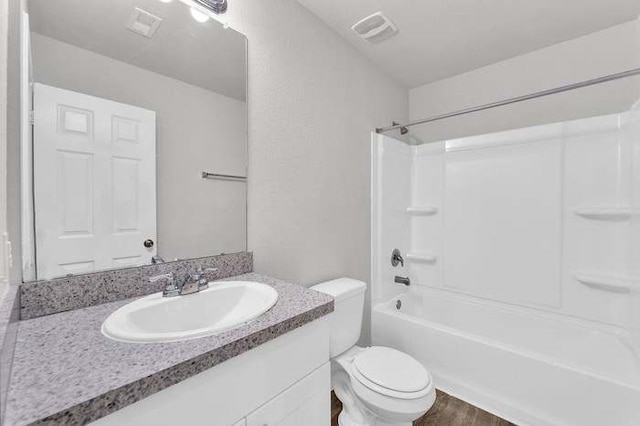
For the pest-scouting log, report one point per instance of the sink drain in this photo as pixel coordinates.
(398, 305)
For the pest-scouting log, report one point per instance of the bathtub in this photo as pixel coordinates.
(525, 365)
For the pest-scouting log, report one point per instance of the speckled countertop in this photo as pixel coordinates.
(66, 372)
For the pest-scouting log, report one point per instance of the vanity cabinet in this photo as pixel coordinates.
(285, 381)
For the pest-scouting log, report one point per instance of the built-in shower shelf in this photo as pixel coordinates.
(421, 257)
(610, 284)
(422, 210)
(606, 213)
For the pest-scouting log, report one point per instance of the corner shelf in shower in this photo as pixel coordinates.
(606, 213)
(421, 258)
(422, 210)
(610, 284)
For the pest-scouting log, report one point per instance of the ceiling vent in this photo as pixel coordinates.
(143, 23)
(375, 28)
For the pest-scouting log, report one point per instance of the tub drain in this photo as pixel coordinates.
(398, 305)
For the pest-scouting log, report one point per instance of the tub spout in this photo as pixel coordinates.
(403, 280)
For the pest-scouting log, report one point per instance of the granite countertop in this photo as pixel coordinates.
(66, 372)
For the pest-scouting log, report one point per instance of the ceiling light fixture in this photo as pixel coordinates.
(216, 6)
(199, 16)
(166, 1)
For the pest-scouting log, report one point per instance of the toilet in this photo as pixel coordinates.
(377, 385)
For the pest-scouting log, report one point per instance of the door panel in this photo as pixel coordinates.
(94, 183)
(308, 402)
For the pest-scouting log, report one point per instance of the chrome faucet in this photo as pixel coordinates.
(196, 282)
(193, 283)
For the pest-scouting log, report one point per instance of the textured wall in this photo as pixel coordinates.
(313, 101)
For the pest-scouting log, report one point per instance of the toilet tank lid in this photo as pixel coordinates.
(341, 288)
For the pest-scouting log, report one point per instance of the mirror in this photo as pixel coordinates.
(137, 148)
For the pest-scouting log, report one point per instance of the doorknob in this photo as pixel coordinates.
(148, 243)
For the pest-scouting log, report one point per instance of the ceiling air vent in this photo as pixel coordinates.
(375, 28)
(143, 22)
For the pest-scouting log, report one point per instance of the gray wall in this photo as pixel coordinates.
(197, 130)
(313, 101)
(612, 50)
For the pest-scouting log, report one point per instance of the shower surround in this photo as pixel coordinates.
(522, 249)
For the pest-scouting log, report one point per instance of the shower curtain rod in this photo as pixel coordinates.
(561, 89)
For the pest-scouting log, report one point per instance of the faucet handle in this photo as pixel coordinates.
(200, 276)
(396, 258)
(170, 288)
(168, 276)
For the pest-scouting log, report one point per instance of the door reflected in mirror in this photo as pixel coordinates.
(137, 149)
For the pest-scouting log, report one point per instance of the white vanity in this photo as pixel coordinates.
(283, 382)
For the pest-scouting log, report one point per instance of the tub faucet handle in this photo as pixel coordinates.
(396, 258)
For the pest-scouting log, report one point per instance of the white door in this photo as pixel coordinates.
(94, 183)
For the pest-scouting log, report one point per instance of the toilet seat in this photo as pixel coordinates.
(391, 373)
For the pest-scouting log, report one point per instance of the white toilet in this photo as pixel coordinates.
(377, 385)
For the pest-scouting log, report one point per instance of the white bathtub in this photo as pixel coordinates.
(530, 367)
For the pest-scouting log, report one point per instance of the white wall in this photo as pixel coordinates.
(4, 272)
(197, 130)
(608, 51)
(313, 101)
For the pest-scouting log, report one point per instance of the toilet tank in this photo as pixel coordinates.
(346, 319)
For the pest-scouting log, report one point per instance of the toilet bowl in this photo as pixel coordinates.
(377, 385)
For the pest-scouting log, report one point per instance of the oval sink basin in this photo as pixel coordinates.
(222, 306)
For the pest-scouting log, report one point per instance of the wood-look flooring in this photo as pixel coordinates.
(447, 411)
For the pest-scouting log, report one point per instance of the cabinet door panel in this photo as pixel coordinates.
(308, 403)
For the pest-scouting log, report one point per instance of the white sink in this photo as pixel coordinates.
(222, 306)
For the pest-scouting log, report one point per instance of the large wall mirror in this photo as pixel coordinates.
(136, 151)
